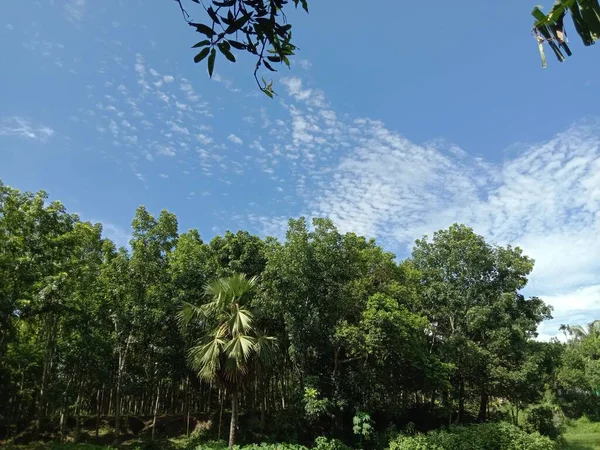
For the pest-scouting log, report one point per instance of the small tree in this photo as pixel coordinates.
(231, 351)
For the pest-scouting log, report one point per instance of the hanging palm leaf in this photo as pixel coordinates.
(549, 28)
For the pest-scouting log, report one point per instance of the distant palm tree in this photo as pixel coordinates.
(232, 350)
(578, 332)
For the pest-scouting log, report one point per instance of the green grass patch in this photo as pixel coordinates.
(582, 434)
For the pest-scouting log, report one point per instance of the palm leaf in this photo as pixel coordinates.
(240, 321)
(239, 349)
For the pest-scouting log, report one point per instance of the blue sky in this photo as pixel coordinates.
(393, 122)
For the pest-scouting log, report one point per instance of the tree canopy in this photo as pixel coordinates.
(321, 333)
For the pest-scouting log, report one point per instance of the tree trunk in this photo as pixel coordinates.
(120, 371)
(221, 399)
(99, 400)
(78, 412)
(155, 410)
(234, 417)
(461, 401)
(483, 403)
(48, 354)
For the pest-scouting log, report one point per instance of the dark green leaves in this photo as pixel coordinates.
(201, 43)
(225, 49)
(211, 62)
(257, 27)
(237, 45)
(203, 54)
(204, 29)
(213, 15)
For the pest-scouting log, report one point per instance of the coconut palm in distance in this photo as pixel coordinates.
(231, 351)
(578, 332)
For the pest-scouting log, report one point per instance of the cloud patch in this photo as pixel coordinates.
(25, 128)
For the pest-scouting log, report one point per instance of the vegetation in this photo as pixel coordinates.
(323, 340)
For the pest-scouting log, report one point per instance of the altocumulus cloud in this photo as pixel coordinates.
(544, 197)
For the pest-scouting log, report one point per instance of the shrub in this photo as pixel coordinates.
(322, 443)
(544, 420)
(488, 436)
(273, 447)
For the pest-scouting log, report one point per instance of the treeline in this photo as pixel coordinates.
(363, 340)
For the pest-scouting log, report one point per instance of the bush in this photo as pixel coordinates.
(273, 447)
(488, 436)
(543, 419)
(322, 443)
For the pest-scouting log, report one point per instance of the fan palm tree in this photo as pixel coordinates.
(232, 350)
(578, 332)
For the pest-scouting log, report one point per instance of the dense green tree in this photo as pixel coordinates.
(479, 321)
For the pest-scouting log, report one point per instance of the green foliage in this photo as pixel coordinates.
(362, 425)
(490, 436)
(90, 336)
(257, 28)
(323, 443)
(543, 419)
(314, 406)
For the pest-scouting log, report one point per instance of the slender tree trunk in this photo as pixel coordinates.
(186, 406)
(120, 371)
(221, 398)
(461, 400)
(263, 406)
(234, 417)
(48, 354)
(155, 410)
(99, 400)
(483, 403)
(78, 412)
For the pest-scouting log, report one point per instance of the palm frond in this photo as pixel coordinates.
(240, 321)
(239, 349)
(206, 358)
(266, 349)
(188, 312)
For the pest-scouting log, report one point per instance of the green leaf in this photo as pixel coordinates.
(304, 5)
(204, 29)
(200, 56)
(268, 66)
(201, 43)
(213, 15)
(225, 4)
(237, 45)
(211, 62)
(224, 48)
(274, 59)
(238, 24)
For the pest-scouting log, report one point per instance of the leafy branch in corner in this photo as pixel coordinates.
(258, 27)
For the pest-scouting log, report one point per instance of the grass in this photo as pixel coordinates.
(582, 435)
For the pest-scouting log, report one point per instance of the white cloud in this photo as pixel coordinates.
(24, 128)
(305, 64)
(74, 10)
(312, 97)
(168, 78)
(178, 128)
(9, 27)
(204, 139)
(165, 150)
(163, 175)
(235, 139)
